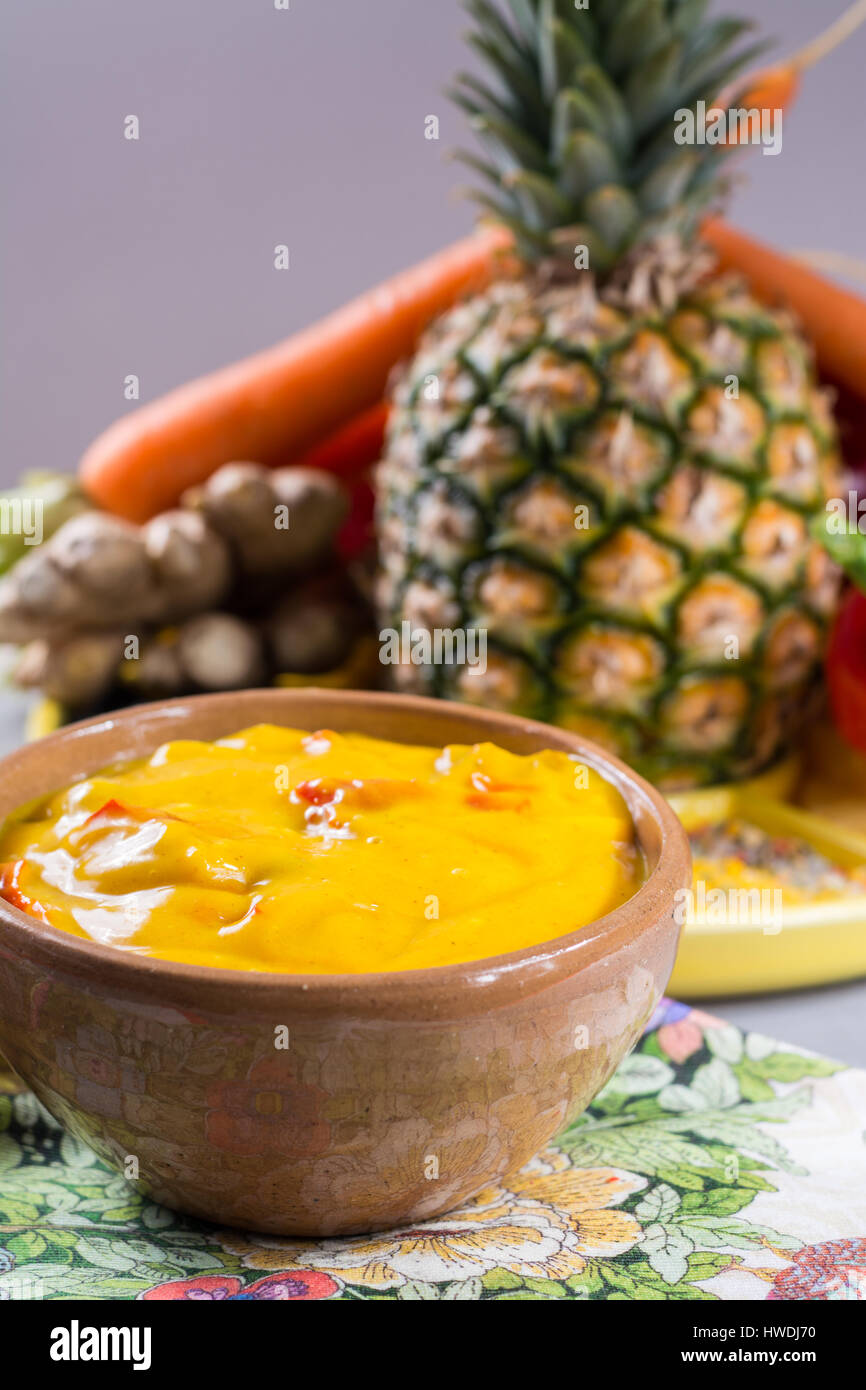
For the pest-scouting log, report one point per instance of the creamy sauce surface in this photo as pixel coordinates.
(279, 850)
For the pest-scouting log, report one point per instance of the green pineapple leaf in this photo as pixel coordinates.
(587, 99)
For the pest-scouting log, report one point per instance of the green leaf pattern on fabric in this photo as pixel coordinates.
(661, 1190)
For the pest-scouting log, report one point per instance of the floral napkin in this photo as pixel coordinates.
(715, 1165)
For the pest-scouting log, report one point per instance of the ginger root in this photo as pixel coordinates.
(310, 631)
(278, 522)
(76, 672)
(218, 651)
(226, 592)
(98, 572)
(213, 651)
(313, 628)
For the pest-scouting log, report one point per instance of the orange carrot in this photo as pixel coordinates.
(777, 88)
(285, 399)
(774, 89)
(770, 91)
(834, 318)
(317, 398)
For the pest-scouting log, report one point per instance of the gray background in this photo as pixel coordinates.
(261, 126)
(306, 127)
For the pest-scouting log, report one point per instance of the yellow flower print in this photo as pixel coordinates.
(543, 1224)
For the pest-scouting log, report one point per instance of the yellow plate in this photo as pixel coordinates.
(43, 718)
(740, 960)
(817, 944)
(716, 803)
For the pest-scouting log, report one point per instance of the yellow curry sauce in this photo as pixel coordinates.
(324, 853)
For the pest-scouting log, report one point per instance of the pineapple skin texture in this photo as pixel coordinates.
(620, 499)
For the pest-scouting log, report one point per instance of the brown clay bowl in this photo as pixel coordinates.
(400, 1095)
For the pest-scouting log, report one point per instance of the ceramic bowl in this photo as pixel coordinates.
(399, 1095)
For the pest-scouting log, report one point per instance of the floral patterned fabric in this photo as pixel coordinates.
(715, 1165)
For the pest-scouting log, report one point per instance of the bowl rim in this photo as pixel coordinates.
(530, 968)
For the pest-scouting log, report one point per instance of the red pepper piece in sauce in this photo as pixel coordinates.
(320, 791)
(13, 893)
(111, 809)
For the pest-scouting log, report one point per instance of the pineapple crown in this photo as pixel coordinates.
(579, 127)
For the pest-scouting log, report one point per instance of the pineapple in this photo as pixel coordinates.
(609, 461)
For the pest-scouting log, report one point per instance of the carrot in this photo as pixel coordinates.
(834, 318)
(771, 91)
(774, 89)
(777, 88)
(283, 400)
(317, 398)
